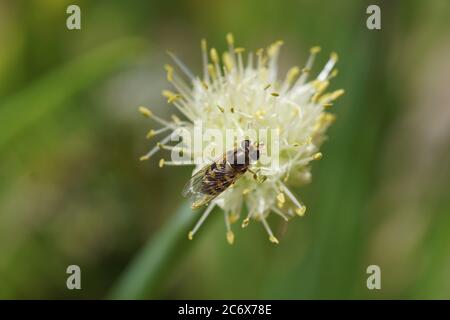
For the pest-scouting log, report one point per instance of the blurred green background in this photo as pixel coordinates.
(72, 190)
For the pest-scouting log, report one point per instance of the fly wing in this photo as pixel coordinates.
(192, 189)
(194, 184)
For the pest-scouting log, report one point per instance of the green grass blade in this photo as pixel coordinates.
(142, 277)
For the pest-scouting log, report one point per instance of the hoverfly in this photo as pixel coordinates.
(213, 179)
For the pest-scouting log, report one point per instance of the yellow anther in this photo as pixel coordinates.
(173, 98)
(204, 85)
(334, 56)
(211, 71)
(227, 61)
(214, 55)
(246, 191)
(259, 52)
(300, 211)
(321, 85)
(170, 95)
(318, 156)
(167, 93)
(230, 237)
(281, 198)
(239, 50)
(315, 50)
(150, 133)
(332, 96)
(230, 38)
(203, 44)
(273, 239)
(145, 112)
(275, 94)
(274, 47)
(292, 74)
(336, 94)
(245, 222)
(169, 70)
(220, 109)
(161, 163)
(190, 235)
(143, 158)
(267, 86)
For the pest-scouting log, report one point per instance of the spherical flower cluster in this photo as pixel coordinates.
(240, 96)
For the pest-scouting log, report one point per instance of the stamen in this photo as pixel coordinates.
(169, 70)
(151, 133)
(280, 213)
(293, 199)
(326, 98)
(317, 156)
(155, 148)
(328, 67)
(230, 234)
(309, 63)
(230, 41)
(175, 99)
(227, 61)
(205, 60)
(147, 113)
(260, 55)
(201, 220)
(211, 71)
(300, 211)
(274, 48)
(269, 231)
(214, 56)
(291, 75)
(239, 51)
(182, 66)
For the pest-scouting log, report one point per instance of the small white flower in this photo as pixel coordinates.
(235, 95)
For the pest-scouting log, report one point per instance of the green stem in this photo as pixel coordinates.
(144, 274)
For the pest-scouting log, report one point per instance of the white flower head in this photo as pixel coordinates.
(243, 97)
